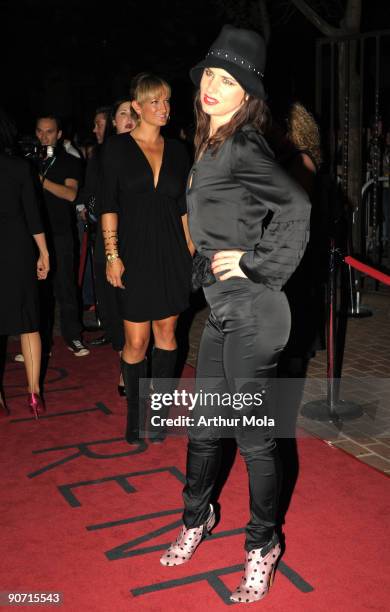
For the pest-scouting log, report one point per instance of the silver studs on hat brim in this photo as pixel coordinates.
(235, 59)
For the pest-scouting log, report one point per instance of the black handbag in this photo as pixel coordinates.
(202, 275)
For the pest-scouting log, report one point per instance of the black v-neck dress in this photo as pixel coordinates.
(152, 242)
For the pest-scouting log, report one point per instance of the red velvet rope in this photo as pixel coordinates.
(362, 267)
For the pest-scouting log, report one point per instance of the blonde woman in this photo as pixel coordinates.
(144, 225)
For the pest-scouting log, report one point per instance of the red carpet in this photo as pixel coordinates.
(83, 515)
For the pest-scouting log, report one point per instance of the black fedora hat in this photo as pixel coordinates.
(240, 52)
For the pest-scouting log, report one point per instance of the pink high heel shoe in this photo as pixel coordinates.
(187, 542)
(35, 404)
(259, 573)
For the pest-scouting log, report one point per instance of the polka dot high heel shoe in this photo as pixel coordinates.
(259, 573)
(187, 542)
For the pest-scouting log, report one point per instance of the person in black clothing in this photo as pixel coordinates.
(60, 176)
(87, 197)
(144, 222)
(19, 266)
(121, 121)
(101, 123)
(295, 139)
(233, 184)
(305, 289)
(102, 127)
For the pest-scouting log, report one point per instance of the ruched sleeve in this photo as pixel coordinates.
(281, 244)
(107, 200)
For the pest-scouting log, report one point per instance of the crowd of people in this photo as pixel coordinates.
(243, 206)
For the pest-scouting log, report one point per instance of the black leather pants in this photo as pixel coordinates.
(247, 329)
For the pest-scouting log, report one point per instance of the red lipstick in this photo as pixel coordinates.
(209, 101)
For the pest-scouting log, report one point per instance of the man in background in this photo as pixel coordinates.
(60, 176)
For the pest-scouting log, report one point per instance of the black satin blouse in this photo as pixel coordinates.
(230, 194)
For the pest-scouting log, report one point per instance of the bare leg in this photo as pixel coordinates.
(164, 333)
(136, 341)
(31, 349)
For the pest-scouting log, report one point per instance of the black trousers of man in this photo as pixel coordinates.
(62, 285)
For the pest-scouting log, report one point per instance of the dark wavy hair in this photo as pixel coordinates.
(8, 134)
(110, 128)
(253, 111)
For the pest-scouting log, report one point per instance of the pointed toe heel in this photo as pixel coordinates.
(188, 541)
(36, 405)
(259, 573)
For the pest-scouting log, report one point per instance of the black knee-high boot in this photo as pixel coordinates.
(132, 372)
(163, 371)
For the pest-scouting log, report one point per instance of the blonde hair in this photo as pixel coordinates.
(146, 86)
(303, 131)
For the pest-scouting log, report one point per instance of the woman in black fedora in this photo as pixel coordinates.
(234, 184)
